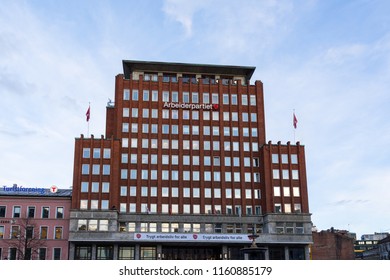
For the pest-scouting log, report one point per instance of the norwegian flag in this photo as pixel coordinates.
(295, 121)
(88, 113)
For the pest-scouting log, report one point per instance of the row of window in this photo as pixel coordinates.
(190, 130)
(289, 228)
(16, 232)
(190, 192)
(189, 78)
(187, 97)
(286, 191)
(285, 174)
(188, 160)
(173, 175)
(194, 145)
(13, 254)
(31, 212)
(285, 158)
(189, 115)
(166, 227)
(287, 208)
(152, 208)
(107, 252)
(97, 153)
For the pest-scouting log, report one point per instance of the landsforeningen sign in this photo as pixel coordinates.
(189, 237)
(191, 106)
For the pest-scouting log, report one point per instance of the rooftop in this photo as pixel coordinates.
(34, 192)
(130, 66)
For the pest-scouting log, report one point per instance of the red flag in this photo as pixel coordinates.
(88, 113)
(295, 121)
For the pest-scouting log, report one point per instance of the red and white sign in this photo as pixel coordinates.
(53, 189)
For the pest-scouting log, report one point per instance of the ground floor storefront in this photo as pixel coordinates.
(147, 251)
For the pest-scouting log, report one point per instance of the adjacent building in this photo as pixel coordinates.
(34, 223)
(184, 171)
(368, 246)
(333, 245)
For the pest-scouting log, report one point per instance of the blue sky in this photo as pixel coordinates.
(328, 60)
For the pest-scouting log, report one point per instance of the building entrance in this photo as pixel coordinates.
(194, 253)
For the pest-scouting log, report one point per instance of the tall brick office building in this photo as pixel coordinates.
(184, 171)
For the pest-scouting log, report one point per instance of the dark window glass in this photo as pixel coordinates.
(2, 211)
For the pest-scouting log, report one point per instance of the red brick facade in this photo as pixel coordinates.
(332, 245)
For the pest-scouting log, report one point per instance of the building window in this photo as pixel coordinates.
(12, 253)
(244, 99)
(96, 153)
(16, 212)
(234, 99)
(60, 213)
(125, 127)
(43, 232)
(275, 174)
(45, 212)
(206, 98)
(104, 204)
(134, 112)
(299, 228)
(297, 208)
(126, 253)
(31, 212)
(126, 94)
(83, 252)
(96, 169)
(83, 204)
(145, 95)
(1, 232)
(105, 187)
(294, 159)
(103, 225)
(123, 190)
(58, 233)
(2, 211)
(14, 231)
(85, 169)
(225, 98)
(84, 186)
(135, 95)
(56, 253)
(86, 152)
(253, 100)
(107, 153)
(95, 187)
(148, 253)
(94, 203)
(275, 158)
(279, 228)
(214, 98)
(295, 174)
(82, 224)
(42, 253)
(285, 174)
(195, 97)
(186, 97)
